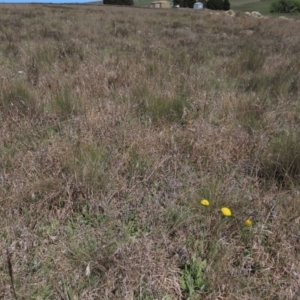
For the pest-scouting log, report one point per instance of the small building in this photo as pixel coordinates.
(160, 4)
(198, 5)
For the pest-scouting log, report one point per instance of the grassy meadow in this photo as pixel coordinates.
(262, 6)
(115, 124)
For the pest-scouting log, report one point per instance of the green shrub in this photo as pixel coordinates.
(186, 3)
(218, 4)
(285, 6)
(226, 5)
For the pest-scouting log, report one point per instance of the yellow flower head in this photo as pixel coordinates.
(248, 222)
(226, 211)
(204, 202)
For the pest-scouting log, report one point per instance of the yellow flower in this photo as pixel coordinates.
(226, 211)
(204, 202)
(248, 222)
(190, 122)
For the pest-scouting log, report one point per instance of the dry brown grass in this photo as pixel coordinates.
(116, 122)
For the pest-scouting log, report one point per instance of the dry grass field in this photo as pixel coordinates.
(115, 124)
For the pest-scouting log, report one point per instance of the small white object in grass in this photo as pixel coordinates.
(256, 14)
(230, 13)
(52, 238)
(88, 270)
